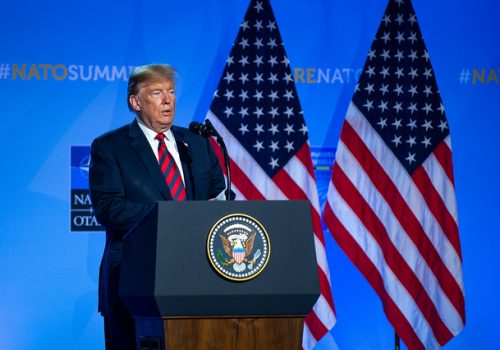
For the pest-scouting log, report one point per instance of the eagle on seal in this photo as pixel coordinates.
(238, 246)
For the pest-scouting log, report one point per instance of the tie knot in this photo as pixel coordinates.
(160, 137)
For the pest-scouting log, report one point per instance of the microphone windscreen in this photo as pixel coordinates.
(195, 127)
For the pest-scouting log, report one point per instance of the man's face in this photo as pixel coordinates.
(155, 104)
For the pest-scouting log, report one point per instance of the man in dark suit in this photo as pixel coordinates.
(137, 165)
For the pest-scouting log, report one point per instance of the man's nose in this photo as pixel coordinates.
(167, 98)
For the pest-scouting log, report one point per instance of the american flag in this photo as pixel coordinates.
(257, 111)
(391, 202)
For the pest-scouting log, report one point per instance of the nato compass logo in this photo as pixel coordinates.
(82, 215)
(238, 247)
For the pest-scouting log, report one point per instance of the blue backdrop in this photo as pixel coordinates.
(63, 70)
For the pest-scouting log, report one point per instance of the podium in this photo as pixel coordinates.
(178, 299)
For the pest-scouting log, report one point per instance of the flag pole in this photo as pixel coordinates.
(396, 341)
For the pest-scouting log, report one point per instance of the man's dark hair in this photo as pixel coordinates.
(151, 73)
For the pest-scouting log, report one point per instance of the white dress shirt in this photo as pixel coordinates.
(169, 141)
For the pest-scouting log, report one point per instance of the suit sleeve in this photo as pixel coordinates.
(113, 210)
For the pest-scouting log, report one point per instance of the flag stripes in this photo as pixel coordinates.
(372, 200)
(257, 111)
(284, 186)
(443, 156)
(416, 220)
(392, 256)
(356, 253)
(245, 178)
(436, 205)
(443, 185)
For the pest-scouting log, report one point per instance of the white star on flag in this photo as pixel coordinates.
(391, 201)
(268, 147)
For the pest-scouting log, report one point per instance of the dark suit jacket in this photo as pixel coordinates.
(126, 182)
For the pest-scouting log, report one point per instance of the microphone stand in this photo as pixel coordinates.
(220, 141)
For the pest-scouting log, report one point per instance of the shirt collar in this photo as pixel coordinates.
(151, 134)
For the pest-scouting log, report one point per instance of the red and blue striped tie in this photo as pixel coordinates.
(169, 169)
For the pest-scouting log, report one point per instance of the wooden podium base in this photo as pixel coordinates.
(276, 333)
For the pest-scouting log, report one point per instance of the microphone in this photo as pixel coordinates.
(207, 130)
(199, 129)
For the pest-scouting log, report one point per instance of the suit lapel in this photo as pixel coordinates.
(141, 146)
(185, 156)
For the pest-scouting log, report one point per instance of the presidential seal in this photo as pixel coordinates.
(238, 247)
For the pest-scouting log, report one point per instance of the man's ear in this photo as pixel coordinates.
(134, 102)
